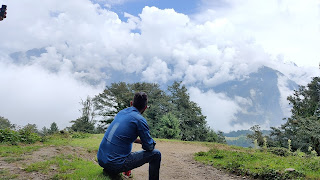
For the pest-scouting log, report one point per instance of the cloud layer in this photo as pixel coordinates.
(81, 44)
(30, 94)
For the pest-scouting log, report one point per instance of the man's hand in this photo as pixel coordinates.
(138, 141)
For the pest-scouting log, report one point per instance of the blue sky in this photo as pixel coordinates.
(134, 7)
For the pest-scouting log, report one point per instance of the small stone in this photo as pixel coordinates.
(290, 169)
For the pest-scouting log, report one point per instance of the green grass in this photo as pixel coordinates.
(13, 159)
(58, 140)
(17, 150)
(91, 143)
(5, 175)
(68, 167)
(257, 164)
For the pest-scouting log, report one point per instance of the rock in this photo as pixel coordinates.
(289, 170)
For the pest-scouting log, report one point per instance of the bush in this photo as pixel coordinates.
(279, 151)
(24, 135)
(201, 153)
(8, 135)
(299, 153)
(27, 136)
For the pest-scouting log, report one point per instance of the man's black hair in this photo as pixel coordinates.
(140, 100)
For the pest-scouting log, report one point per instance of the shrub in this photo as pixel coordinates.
(293, 175)
(299, 153)
(271, 174)
(201, 153)
(8, 135)
(24, 135)
(279, 151)
(28, 136)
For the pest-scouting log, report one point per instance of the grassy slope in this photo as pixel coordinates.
(260, 164)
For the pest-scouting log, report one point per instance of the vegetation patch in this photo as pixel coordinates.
(262, 164)
(15, 151)
(13, 159)
(91, 144)
(6, 175)
(68, 167)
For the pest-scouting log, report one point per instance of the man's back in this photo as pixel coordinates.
(122, 132)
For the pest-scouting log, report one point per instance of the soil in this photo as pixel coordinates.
(177, 162)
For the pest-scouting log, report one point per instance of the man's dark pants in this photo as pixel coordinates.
(137, 159)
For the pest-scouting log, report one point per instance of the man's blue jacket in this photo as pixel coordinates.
(117, 142)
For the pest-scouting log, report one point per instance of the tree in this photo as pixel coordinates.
(158, 104)
(117, 96)
(169, 127)
(112, 100)
(44, 131)
(32, 128)
(303, 127)
(86, 122)
(53, 128)
(221, 138)
(192, 122)
(5, 123)
(256, 135)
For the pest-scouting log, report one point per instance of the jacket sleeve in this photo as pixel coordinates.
(148, 143)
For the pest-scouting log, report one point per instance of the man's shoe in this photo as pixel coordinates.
(127, 174)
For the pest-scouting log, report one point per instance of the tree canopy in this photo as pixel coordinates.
(303, 127)
(5, 123)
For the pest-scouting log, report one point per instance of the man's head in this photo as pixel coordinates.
(140, 101)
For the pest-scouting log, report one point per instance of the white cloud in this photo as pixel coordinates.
(156, 72)
(30, 94)
(288, 27)
(284, 93)
(219, 109)
(95, 40)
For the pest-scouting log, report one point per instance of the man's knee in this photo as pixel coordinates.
(157, 154)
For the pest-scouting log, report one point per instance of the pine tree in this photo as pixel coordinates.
(53, 128)
(193, 125)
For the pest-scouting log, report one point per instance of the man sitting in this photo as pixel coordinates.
(114, 153)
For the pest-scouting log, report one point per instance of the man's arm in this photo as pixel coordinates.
(147, 142)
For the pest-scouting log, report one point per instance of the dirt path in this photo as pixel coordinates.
(178, 163)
